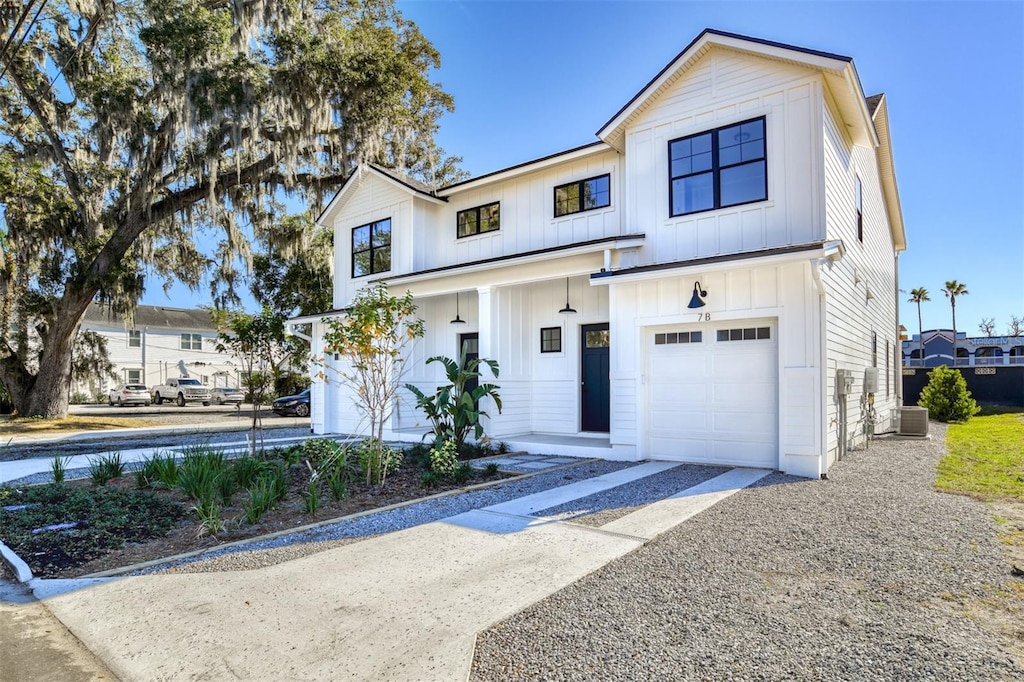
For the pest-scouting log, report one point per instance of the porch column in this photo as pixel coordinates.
(487, 320)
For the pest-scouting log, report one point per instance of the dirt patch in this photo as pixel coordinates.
(402, 486)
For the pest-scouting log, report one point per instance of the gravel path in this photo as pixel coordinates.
(604, 507)
(867, 576)
(259, 553)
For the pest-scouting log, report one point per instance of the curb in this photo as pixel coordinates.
(22, 573)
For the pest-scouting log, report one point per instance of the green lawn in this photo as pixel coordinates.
(985, 458)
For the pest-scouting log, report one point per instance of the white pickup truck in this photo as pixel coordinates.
(181, 391)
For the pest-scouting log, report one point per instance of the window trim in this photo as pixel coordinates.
(558, 339)
(716, 169)
(370, 249)
(136, 336)
(477, 210)
(191, 341)
(579, 184)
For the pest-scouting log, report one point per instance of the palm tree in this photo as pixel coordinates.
(952, 290)
(918, 296)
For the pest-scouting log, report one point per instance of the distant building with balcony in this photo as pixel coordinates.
(935, 347)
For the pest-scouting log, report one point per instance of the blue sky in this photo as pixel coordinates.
(532, 78)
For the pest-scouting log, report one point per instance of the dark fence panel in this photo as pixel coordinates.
(993, 386)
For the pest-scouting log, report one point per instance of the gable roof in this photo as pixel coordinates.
(840, 75)
(887, 171)
(152, 316)
(400, 180)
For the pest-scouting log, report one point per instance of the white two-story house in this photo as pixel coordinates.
(713, 280)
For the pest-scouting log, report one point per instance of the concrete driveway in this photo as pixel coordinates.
(402, 606)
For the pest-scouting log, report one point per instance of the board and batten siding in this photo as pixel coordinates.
(783, 294)
(374, 199)
(866, 266)
(726, 87)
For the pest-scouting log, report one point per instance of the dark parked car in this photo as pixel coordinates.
(297, 405)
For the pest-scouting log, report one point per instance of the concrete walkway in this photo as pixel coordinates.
(403, 606)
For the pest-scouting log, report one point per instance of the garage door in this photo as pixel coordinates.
(712, 393)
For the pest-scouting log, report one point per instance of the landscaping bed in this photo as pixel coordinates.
(124, 518)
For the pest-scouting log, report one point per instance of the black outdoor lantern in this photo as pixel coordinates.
(458, 319)
(568, 309)
(697, 300)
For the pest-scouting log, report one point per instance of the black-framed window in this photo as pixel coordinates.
(678, 337)
(583, 195)
(860, 210)
(134, 338)
(486, 218)
(718, 168)
(551, 340)
(745, 334)
(371, 248)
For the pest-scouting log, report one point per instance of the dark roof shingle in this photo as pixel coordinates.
(160, 317)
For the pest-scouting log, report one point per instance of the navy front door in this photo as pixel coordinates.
(469, 349)
(595, 389)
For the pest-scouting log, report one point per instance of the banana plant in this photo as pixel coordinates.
(453, 410)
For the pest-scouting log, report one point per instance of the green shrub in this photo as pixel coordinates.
(444, 460)
(105, 468)
(262, 498)
(463, 474)
(80, 398)
(200, 472)
(428, 479)
(226, 486)
(311, 495)
(946, 396)
(491, 469)
(59, 467)
(210, 522)
(376, 468)
(247, 469)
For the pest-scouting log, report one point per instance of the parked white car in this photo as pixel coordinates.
(181, 391)
(129, 394)
(221, 395)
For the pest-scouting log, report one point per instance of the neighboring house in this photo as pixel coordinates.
(934, 347)
(162, 343)
(688, 287)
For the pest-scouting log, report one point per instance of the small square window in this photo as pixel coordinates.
(551, 340)
(191, 342)
(764, 332)
(659, 339)
(696, 337)
(749, 334)
(134, 339)
(672, 338)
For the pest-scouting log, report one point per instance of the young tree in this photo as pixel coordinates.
(953, 289)
(918, 296)
(130, 128)
(987, 326)
(1016, 326)
(259, 342)
(373, 340)
(946, 396)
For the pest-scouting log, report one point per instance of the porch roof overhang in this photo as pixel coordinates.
(775, 256)
(529, 266)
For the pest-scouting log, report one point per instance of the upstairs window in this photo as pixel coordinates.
(191, 342)
(134, 338)
(371, 248)
(583, 195)
(723, 167)
(860, 211)
(486, 218)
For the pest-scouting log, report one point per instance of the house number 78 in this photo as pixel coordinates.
(703, 317)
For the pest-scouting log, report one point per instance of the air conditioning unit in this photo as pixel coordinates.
(913, 421)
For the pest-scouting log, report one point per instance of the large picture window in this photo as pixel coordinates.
(719, 168)
(583, 195)
(371, 248)
(486, 218)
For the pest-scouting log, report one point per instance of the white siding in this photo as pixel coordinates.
(726, 88)
(867, 266)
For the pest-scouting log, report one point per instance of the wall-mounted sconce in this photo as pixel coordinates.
(869, 296)
(458, 319)
(697, 300)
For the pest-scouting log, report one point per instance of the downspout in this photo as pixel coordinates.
(899, 342)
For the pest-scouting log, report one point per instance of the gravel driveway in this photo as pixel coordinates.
(867, 576)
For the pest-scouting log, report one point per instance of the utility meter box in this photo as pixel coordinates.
(871, 380)
(844, 382)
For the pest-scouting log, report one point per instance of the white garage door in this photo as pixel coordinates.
(712, 393)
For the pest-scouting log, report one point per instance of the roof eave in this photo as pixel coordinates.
(588, 149)
(887, 171)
